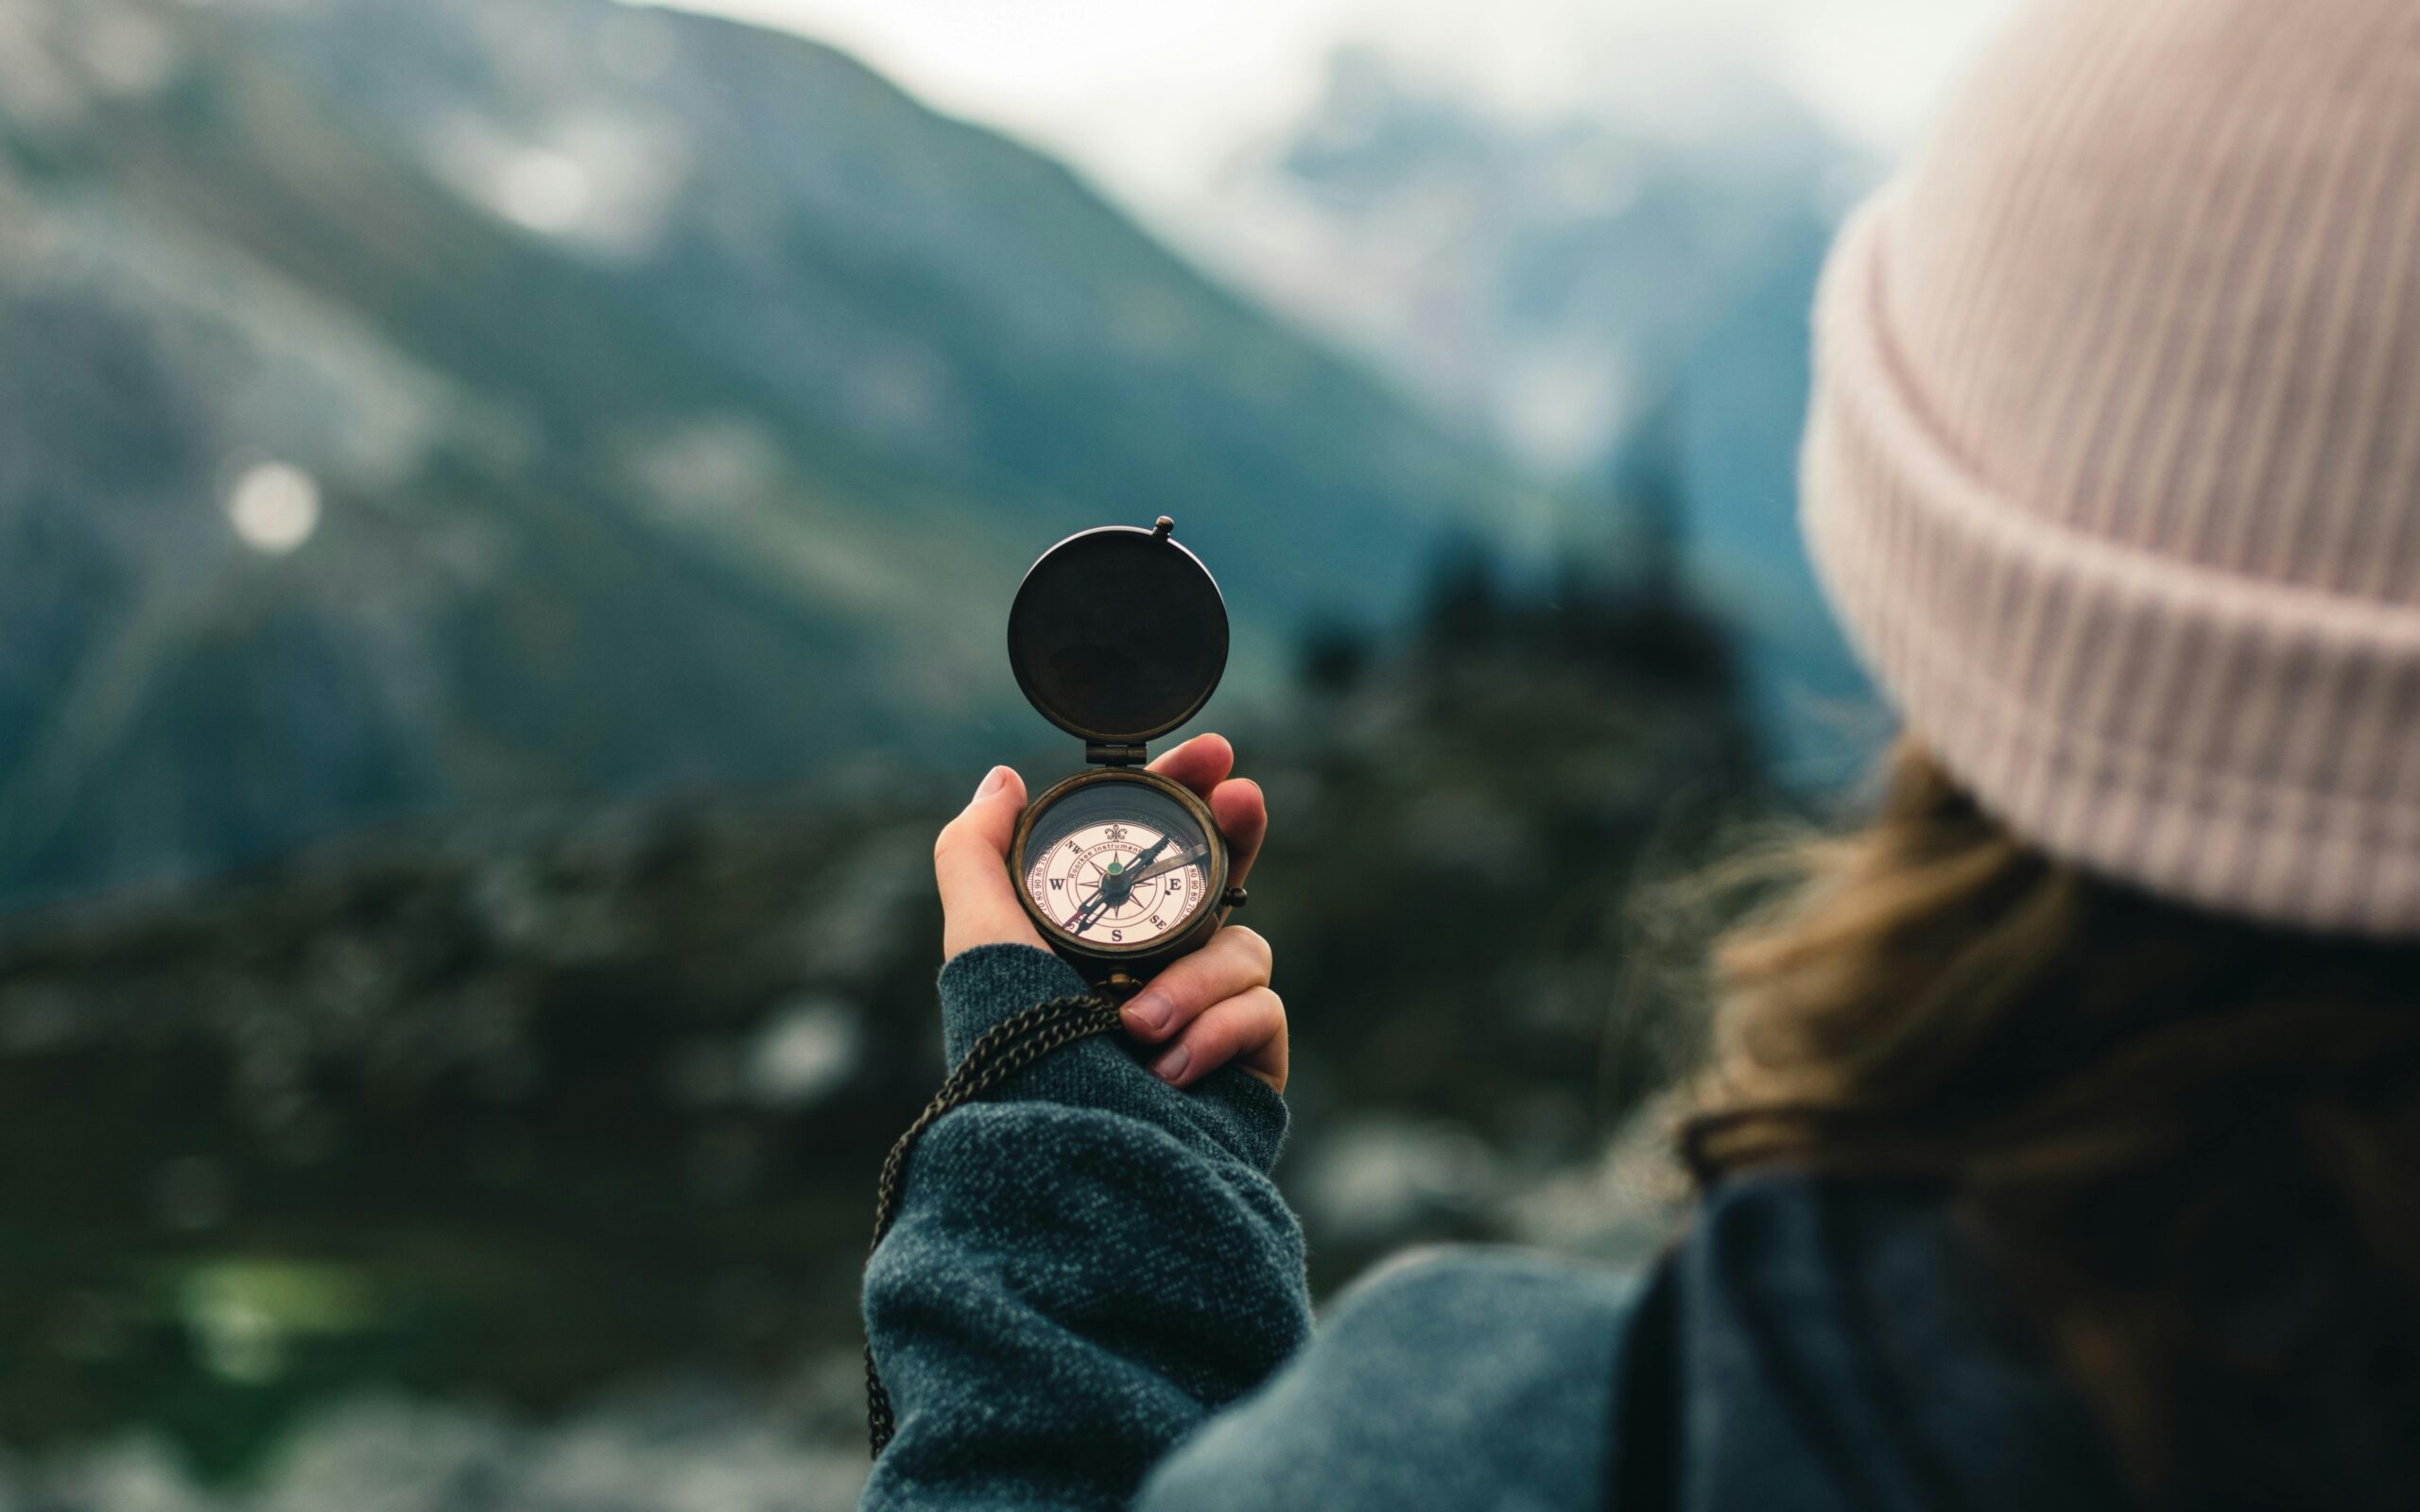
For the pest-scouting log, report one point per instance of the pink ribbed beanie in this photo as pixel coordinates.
(2114, 467)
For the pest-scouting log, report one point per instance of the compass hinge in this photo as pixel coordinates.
(1112, 753)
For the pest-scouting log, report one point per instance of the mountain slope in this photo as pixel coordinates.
(635, 399)
(1593, 285)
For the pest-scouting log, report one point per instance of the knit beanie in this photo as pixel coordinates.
(2113, 465)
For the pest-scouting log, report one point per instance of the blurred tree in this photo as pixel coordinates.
(1651, 490)
(1457, 838)
(1462, 601)
(1335, 655)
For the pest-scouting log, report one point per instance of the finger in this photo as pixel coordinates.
(1249, 1030)
(1242, 814)
(1235, 961)
(969, 863)
(1200, 763)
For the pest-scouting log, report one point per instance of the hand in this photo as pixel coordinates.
(1219, 1006)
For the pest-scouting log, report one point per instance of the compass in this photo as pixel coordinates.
(1118, 636)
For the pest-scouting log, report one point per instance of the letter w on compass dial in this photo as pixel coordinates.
(1122, 865)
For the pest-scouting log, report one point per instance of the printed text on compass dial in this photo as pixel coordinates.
(1089, 883)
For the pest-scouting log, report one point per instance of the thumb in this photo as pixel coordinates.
(971, 863)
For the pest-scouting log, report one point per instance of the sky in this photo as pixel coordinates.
(1147, 97)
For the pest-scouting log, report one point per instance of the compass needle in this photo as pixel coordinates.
(1172, 864)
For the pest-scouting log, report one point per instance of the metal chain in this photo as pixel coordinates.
(1004, 1050)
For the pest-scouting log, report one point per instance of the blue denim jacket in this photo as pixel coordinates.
(1093, 1298)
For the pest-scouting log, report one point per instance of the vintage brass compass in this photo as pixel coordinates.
(1118, 636)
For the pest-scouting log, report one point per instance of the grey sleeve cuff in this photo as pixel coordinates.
(1230, 1109)
(983, 987)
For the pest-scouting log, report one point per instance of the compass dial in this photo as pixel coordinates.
(1117, 865)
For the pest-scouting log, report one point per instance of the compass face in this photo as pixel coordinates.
(1117, 865)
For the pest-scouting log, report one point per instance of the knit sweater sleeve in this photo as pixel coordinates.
(1086, 1264)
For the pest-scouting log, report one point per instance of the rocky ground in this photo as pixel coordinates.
(527, 1164)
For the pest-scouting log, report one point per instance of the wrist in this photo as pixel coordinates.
(986, 984)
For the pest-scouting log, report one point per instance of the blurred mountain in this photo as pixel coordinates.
(418, 403)
(1621, 298)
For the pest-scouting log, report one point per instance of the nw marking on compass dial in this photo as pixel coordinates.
(1118, 882)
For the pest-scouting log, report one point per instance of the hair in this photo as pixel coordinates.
(2189, 1145)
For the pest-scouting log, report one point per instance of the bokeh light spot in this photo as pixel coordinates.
(274, 508)
(544, 191)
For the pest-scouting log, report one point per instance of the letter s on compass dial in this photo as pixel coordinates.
(1117, 866)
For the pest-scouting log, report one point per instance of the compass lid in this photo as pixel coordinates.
(1119, 635)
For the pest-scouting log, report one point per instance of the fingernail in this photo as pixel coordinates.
(1151, 1011)
(1172, 1065)
(992, 782)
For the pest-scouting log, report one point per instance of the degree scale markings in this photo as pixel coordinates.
(1121, 880)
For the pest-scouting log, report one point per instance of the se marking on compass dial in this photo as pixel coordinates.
(1119, 882)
